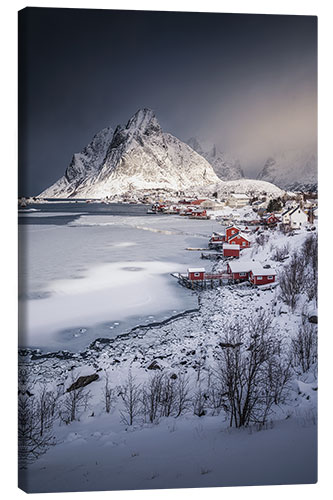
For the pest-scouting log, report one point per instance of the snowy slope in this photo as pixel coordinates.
(139, 156)
(292, 170)
(225, 166)
(250, 187)
(86, 163)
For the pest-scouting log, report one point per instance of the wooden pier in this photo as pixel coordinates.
(211, 281)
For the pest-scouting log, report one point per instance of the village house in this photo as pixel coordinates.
(261, 276)
(196, 273)
(251, 271)
(198, 213)
(212, 204)
(238, 200)
(239, 271)
(270, 219)
(230, 250)
(231, 231)
(298, 218)
(217, 239)
(285, 216)
(239, 239)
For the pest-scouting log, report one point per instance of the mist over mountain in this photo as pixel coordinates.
(225, 166)
(293, 170)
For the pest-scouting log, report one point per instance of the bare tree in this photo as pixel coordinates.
(35, 427)
(169, 395)
(304, 345)
(74, 402)
(183, 394)
(292, 280)
(152, 396)
(310, 256)
(281, 253)
(245, 369)
(200, 401)
(131, 396)
(108, 394)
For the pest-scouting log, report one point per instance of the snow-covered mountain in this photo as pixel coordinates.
(292, 170)
(225, 166)
(137, 156)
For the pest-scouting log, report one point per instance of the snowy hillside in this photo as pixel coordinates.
(292, 170)
(225, 167)
(251, 187)
(139, 156)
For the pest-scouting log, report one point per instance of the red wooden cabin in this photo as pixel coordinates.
(260, 276)
(217, 238)
(199, 213)
(230, 250)
(271, 219)
(239, 239)
(231, 231)
(239, 270)
(196, 273)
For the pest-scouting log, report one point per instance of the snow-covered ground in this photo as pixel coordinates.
(98, 453)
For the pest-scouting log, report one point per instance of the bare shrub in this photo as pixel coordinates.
(169, 397)
(262, 239)
(74, 403)
(131, 396)
(292, 280)
(152, 397)
(108, 394)
(35, 425)
(200, 401)
(304, 345)
(183, 398)
(281, 253)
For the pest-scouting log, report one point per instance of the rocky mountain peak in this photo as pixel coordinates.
(225, 167)
(144, 121)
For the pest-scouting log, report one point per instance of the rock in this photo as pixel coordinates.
(313, 318)
(224, 345)
(173, 376)
(83, 381)
(154, 366)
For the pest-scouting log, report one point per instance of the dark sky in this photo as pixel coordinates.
(245, 82)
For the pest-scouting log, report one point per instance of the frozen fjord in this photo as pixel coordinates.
(98, 275)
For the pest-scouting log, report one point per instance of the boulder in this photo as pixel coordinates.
(83, 381)
(154, 366)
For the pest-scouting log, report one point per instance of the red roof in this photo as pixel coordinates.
(197, 202)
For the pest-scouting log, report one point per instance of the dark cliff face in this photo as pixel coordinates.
(91, 158)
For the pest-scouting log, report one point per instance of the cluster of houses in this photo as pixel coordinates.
(236, 272)
(193, 209)
(231, 242)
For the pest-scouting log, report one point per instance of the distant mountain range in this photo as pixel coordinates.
(140, 157)
(292, 170)
(225, 166)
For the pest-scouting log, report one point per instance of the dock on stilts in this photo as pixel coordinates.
(209, 281)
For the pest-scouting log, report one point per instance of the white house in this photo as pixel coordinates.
(285, 216)
(297, 218)
(238, 200)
